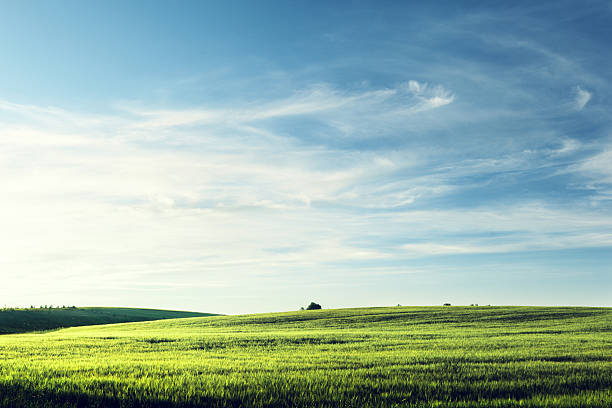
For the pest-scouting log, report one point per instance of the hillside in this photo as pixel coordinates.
(37, 319)
(367, 357)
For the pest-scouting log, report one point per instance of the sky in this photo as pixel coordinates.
(243, 157)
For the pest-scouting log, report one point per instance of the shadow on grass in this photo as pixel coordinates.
(16, 395)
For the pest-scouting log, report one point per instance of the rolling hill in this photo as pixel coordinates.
(38, 319)
(368, 357)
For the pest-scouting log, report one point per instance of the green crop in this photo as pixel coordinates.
(370, 357)
(14, 320)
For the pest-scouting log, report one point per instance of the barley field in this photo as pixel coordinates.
(366, 357)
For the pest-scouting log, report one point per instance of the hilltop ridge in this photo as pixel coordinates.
(38, 319)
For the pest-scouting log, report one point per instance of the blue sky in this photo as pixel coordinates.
(240, 157)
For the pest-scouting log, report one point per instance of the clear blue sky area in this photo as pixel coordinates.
(251, 156)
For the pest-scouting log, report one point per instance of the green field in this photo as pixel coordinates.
(400, 356)
(36, 319)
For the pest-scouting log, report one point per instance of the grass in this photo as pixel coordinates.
(37, 319)
(370, 357)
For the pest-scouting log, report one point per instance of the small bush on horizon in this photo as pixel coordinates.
(313, 306)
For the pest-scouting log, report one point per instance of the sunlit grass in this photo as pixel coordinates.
(401, 356)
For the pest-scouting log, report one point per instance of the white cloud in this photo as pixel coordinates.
(597, 169)
(428, 97)
(336, 107)
(568, 146)
(416, 87)
(528, 227)
(599, 165)
(582, 97)
(439, 249)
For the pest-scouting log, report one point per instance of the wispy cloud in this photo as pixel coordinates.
(321, 100)
(596, 171)
(429, 97)
(582, 97)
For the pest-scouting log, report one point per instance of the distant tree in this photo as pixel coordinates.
(302, 308)
(447, 304)
(313, 306)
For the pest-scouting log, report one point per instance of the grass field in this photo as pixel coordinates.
(372, 357)
(35, 319)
